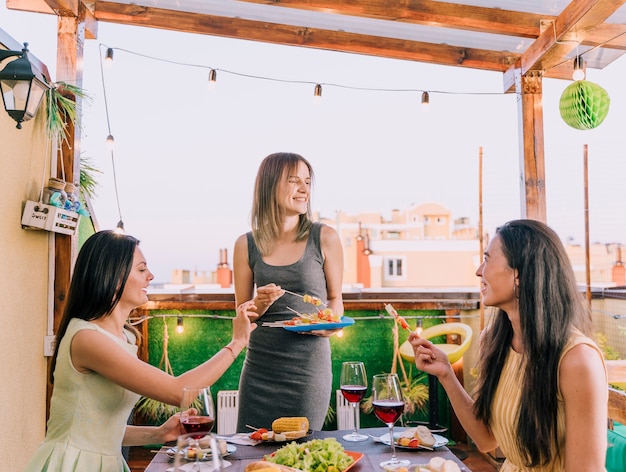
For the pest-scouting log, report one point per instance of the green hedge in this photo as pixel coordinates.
(369, 340)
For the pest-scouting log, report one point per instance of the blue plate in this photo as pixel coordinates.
(345, 321)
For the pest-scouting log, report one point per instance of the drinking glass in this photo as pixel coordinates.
(197, 411)
(197, 452)
(353, 384)
(388, 404)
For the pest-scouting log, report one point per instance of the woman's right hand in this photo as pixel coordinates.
(267, 295)
(428, 357)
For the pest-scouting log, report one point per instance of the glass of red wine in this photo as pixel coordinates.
(388, 404)
(353, 384)
(197, 411)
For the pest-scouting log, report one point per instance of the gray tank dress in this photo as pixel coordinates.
(286, 373)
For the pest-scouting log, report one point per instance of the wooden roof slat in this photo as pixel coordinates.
(556, 42)
(306, 37)
(439, 14)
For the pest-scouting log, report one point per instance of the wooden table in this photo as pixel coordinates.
(374, 453)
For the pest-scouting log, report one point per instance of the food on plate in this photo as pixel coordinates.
(436, 464)
(319, 455)
(290, 423)
(415, 437)
(322, 316)
(283, 429)
(439, 464)
(264, 466)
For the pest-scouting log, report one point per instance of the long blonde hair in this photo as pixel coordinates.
(267, 215)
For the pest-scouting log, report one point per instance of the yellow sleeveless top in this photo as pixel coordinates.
(505, 410)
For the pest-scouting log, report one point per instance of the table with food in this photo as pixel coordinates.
(278, 450)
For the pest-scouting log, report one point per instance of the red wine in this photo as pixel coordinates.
(388, 411)
(353, 393)
(198, 424)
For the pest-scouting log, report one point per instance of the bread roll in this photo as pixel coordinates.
(436, 463)
(425, 436)
(450, 466)
(262, 466)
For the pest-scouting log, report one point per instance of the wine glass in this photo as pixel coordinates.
(388, 406)
(197, 411)
(353, 385)
(193, 451)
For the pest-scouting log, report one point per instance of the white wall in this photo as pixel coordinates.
(23, 294)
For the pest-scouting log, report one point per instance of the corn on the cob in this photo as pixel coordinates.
(293, 423)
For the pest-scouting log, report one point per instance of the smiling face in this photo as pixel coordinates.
(497, 277)
(294, 190)
(136, 288)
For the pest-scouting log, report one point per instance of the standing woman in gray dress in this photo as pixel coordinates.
(286, 373)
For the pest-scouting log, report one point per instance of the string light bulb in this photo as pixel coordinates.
(108, 59)
(425, 98)
(110, 142)
(579, 68)
(179, 325)
(212, 79)
(120, 227)
(418, 328)
(317, 93)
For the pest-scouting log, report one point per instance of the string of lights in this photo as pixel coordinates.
(317, 85)
(110, 140)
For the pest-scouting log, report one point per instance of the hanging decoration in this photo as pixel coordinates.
(584, 105)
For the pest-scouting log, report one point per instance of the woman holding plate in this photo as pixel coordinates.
(286, 373)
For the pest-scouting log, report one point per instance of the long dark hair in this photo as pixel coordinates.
(100, 274)
(267, 217)
(550, 305)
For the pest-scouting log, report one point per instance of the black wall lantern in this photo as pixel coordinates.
(22, 85)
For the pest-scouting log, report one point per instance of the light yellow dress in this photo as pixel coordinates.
(88, 415)
(506, 407)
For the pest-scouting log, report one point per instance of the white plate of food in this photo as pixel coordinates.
(439, 441)
(206, 453)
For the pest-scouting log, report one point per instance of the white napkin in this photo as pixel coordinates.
(240, 438)
(200, 466)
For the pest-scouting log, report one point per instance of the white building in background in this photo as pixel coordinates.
(419, 247)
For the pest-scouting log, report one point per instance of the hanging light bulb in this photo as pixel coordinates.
(425, 98)
(110, 142)
(317, 94)
(108, 59)
(120, 227)
(212, 79)
(179, 325)
(579, 68)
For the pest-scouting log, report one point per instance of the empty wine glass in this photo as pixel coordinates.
(196, 411)
(353, 385)
(388, 404)
(197, 452)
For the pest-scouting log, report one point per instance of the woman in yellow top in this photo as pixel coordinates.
(541, 394)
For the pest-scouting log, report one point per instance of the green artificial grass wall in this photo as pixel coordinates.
(369, 340)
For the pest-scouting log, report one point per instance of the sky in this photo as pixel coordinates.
(186, 155)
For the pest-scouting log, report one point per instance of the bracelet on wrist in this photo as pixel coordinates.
(232, 353)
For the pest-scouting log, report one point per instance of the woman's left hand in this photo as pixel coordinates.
(171, 429)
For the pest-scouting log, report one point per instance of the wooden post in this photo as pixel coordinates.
(532, 165)
(70, 39)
